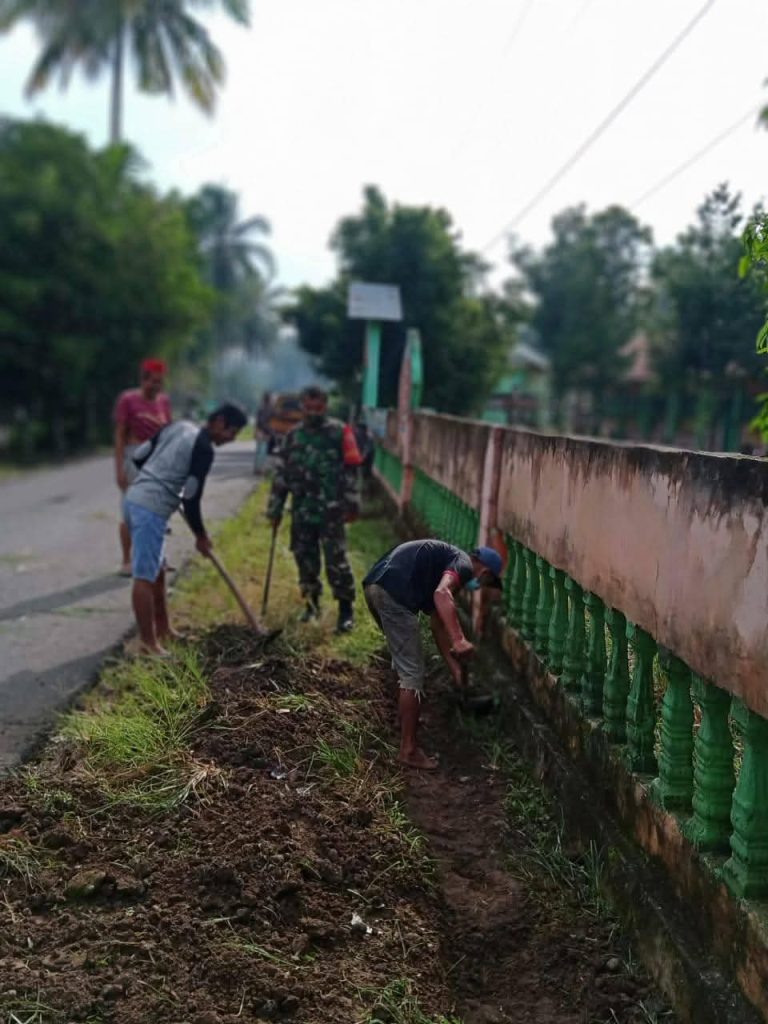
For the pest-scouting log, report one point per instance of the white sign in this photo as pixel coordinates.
(374, 301)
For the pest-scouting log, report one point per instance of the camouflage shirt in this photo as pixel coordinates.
(319, 466)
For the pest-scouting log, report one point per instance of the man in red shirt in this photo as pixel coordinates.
(139, 414)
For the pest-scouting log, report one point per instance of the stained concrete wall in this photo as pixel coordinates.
(451, 451)
(676, 540)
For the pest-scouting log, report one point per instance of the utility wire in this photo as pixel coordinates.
(517, 29)
(712, 144)
(603, 126)
(506, 50)
(578, 15)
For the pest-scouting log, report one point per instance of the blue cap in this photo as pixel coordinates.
(491, 559)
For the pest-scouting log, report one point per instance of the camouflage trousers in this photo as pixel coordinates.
(307, 539)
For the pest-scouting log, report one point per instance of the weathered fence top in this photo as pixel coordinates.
(676, 540)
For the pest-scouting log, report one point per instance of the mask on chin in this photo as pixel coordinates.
(474, 584)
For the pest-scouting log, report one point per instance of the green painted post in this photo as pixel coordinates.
(531, 595)
(573, 659)
(713, 775)
(674, 787)
(641, 709)
(558, 624)
(514, 554)
(616, 689)
(543, 609)
(746, 871)
(436, 510)
(372, 359)
(518, 587)
(593, 680)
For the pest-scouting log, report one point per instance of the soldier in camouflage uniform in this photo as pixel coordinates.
(319, 465)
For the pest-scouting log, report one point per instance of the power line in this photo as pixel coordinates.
(517, 29)
(603, 126)
(509, 43)
(712, 144)
(579, 15)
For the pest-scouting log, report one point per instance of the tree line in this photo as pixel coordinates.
(580, 299)
(98, 269)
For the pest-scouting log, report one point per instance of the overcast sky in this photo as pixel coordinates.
(467, 104)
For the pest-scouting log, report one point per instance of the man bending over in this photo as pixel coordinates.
(424, 576)
(173, 468)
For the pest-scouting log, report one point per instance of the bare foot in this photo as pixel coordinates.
(145, 651)
(170, 636)
(417, 759)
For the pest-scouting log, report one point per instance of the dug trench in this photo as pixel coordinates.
(278, 866)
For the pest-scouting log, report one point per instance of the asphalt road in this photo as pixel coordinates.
(62, 606)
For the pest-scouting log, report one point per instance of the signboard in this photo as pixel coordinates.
(374, 302)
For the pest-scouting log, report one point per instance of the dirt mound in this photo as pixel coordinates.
(287, 889)
(291, 885)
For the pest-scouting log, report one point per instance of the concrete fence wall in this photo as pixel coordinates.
(678, 541)
(635, 610)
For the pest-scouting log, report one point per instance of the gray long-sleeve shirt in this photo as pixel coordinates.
(174, 465)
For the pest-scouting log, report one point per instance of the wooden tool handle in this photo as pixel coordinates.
(252, 620)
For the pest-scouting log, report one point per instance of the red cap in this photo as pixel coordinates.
(153, 365)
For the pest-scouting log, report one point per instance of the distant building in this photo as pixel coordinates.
(522, 396)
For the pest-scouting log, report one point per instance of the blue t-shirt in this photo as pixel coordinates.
(411, 572)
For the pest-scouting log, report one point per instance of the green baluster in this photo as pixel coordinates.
(573, 659)
(593, 680)
(616, 689)
(423, 499)
(461, 527)
(531, 595)
(746, 871)
(674, 787)
(518, 588)
(558, 624)
(449, 531)
(474, 524)
(641, 709)
(543, 609)
(435, 508)
(514, 554)
(465, 539)
(713, 775)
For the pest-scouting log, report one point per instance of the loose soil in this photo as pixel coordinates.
(291, 885)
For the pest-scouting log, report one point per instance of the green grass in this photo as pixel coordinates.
(397, 1004)
(343, 761)
(542, 857)
(31, 1011)
(201, 598)
(136, 740)
(18, 858)
(403, 828)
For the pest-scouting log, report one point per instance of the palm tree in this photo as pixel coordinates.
(239, 266)
(230, 254)
(164, 40)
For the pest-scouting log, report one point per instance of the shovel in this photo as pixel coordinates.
(268, 578)
(253, 622)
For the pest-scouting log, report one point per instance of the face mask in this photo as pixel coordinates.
(474, 584)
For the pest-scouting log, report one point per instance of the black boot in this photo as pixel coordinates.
(346, 617)
(312, 610)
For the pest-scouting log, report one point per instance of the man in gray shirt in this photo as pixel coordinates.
(173, 468)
